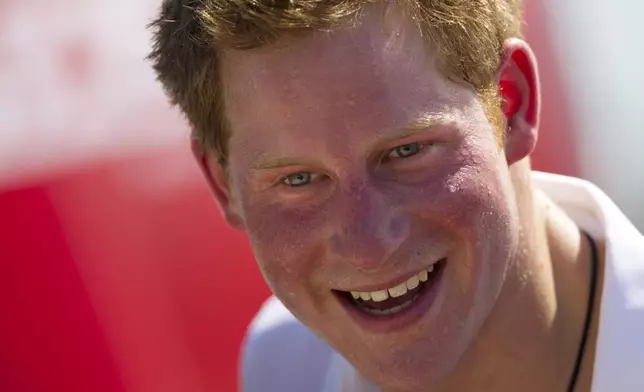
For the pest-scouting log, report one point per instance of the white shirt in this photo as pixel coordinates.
(281, 355)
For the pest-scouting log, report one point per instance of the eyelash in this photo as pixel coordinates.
(312, 177)
(421, 147)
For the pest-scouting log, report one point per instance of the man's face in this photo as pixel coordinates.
(357, 166)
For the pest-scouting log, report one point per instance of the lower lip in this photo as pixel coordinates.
(406, 317)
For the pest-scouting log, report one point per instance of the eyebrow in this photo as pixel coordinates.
(420, 123)
(267, 161)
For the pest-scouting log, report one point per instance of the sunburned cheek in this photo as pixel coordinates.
(480, 210)
(470, 204)
(465, 196)
(284, 241)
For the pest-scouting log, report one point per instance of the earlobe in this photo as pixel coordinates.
(519, 87)
(219, 184)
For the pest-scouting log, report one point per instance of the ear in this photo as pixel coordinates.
(219, 184)
(521, 99)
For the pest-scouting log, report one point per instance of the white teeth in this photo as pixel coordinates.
(379, 296)
(412, 282)
(397, 291)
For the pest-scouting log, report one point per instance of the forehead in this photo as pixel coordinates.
(371, 76)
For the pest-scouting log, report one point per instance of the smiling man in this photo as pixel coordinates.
(377, 156)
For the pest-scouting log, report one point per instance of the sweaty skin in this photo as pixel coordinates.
(354, 161)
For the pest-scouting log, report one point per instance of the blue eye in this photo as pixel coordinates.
(406, 150)
(299, 179)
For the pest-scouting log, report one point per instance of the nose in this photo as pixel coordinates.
(368, 227)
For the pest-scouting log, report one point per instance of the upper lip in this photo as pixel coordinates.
(388, 284)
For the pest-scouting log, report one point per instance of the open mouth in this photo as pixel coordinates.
(393, 301)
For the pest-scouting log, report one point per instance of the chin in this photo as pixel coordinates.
(411, 369)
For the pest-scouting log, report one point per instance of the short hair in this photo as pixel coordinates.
(188, 37)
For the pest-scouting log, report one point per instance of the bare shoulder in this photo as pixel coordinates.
(280, 354)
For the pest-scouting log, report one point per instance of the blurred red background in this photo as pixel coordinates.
(116, 270)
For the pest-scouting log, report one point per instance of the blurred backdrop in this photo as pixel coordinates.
(116, 271)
